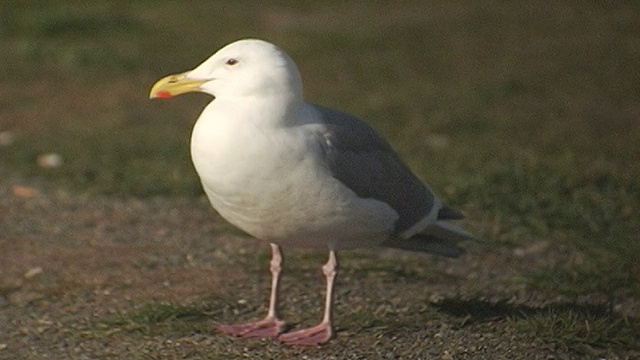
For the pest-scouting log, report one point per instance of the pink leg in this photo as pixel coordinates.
(322, 332)
(271, 325)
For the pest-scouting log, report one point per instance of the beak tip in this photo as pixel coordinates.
(173, 85)
(160, 95)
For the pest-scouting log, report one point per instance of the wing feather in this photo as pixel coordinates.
(367, 164)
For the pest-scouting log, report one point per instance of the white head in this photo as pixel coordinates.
(245, 68)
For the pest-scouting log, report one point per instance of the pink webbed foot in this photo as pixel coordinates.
(316, 335)
(268, 327)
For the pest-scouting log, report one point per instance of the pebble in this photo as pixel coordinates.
(7, 138)
(32, 272)
(437, 141)
(23, 191)
(50, 160)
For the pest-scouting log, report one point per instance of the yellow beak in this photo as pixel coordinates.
(173, 85)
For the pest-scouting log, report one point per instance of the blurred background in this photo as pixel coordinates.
(524, 114)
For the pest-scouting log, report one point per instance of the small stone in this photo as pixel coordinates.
(50, 160)
(23, 191)
(519, 252)
(437, 141)
(7, 138)
(33, 272)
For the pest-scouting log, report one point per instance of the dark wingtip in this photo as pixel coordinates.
(448, 213)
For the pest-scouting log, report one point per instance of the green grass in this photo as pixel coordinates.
(592, 209)
(582, 332)
(159, 318)
(581, 328)
(538, 107)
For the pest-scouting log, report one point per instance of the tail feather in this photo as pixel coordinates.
(441, 238)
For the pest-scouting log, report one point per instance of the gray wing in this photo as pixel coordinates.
(367, 164)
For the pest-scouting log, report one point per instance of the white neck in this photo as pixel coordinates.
(264, 111)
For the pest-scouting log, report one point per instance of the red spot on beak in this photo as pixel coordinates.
(163, 94)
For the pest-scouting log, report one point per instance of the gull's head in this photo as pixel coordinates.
(245, 68)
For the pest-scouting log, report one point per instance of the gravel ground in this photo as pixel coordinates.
(70, 265)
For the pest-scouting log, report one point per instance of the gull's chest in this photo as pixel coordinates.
(240, 161)
(247, 172)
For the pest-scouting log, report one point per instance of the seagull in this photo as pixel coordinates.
(297, 174)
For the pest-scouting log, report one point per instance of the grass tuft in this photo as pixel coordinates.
(582, 331)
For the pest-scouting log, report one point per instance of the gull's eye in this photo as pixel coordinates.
(231, 61)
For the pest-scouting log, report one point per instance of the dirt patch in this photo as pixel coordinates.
(73, 268)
